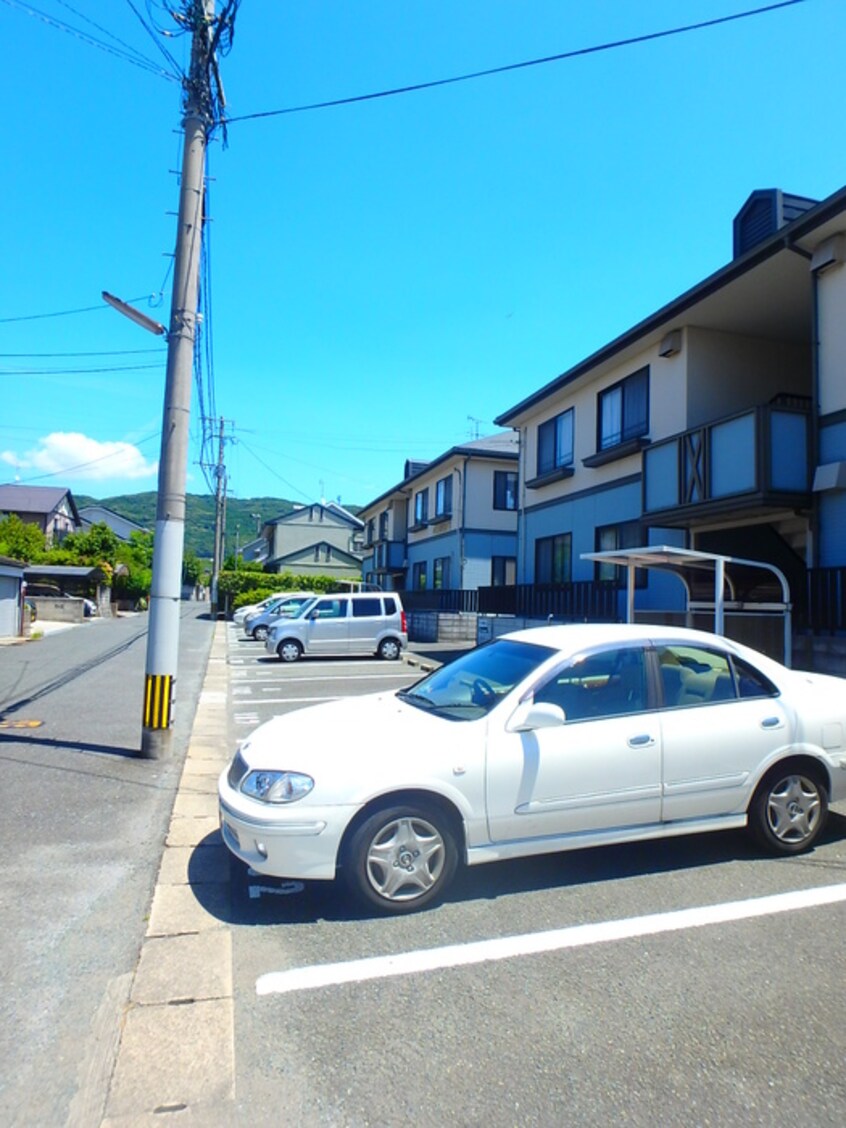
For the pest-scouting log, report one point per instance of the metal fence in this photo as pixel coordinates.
(579, 601)
(825, 604)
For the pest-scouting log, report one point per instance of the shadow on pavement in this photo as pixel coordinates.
(18, 736)
(256, 900)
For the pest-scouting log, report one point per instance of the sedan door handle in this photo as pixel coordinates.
(640, 741)
(771, 722)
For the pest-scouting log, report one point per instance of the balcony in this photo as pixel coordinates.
(743, 464)
(389, 556)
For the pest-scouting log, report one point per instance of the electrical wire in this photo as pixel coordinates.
(54, 355)
(68, 312)
(74, 371)
(175, 67)
(270, 470)
(91, 462)
(578, 52)
(129, 56)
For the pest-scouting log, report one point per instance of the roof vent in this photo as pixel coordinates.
(412, 468)
(764, 213)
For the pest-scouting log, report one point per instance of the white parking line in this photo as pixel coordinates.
(462, 955)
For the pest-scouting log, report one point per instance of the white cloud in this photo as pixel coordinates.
(71, 453)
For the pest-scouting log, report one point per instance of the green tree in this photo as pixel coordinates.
(20, 540)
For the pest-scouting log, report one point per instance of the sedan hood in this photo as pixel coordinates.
(372, 734)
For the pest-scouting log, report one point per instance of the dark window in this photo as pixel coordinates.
(329, 609)
(623, 410)
(553, 559)
(443, 497)
(600, 685)
(612, 538)
(361, 608)
(383, 526)
(440, 572)
(418, 576)
(370, 529)
(421, 507)
(505, 489)
(390, 605)
(751, 682)
(503, 570)
(555, 443)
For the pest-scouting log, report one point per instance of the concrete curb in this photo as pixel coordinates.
(176, 1059)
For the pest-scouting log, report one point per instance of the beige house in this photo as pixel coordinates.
(51, 508)
(320, 539)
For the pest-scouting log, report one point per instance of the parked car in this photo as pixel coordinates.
(554, 738)
(240, 615)
(257, 623)
(350, 623)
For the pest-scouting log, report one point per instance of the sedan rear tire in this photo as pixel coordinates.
(400, 858)
(788, 811)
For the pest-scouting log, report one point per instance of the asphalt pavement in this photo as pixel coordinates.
(83, 827)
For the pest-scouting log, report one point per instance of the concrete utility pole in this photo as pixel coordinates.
(166, 592)
(219, 520)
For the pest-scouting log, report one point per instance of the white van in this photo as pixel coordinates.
(346, 623)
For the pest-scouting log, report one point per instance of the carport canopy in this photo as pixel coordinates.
(744, 581)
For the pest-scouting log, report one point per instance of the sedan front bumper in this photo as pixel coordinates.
(286, 842)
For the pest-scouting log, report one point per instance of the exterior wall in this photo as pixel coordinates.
(10, 602)
(667, 416)
(308, 526)
(120, 526)
(831, 316)
(580, 516)
(479, 512)
(727, 373)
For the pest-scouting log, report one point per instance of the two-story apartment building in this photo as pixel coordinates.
(320, 539)
(717, 423)
(450, 523)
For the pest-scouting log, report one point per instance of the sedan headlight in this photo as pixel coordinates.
(276, 787)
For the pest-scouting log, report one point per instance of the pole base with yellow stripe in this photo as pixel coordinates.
(158, 715)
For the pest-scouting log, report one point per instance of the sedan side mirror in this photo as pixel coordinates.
(530, 715)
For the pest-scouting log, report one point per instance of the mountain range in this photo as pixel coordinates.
(244, 516)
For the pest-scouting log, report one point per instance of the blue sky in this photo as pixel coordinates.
(386, 277)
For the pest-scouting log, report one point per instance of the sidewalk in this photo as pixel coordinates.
(175, 1063)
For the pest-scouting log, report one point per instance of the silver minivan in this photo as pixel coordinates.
(347, 623)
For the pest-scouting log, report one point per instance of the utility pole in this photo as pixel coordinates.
(217, 557)
(166, 591)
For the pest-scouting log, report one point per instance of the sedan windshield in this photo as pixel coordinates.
(473, 684)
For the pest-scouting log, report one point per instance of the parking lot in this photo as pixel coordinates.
(692, 979)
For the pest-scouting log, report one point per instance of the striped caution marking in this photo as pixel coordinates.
(158, 700)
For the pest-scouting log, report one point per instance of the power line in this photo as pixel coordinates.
(51, 355)
(91, 462)
(129, 56)
(68, 312)
(74, 371)
(177, 70)
(578, 52)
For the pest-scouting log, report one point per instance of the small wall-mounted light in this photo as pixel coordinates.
(671, 343)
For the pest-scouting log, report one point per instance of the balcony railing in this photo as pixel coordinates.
(761, 454)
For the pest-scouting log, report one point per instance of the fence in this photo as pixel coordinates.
(582, 600)
(825, 605)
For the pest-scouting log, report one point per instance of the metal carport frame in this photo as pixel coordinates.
(680, 560)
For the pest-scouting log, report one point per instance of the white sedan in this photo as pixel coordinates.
(548, 739)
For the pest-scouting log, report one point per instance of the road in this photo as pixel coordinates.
(723, 1022)
(81, 833)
